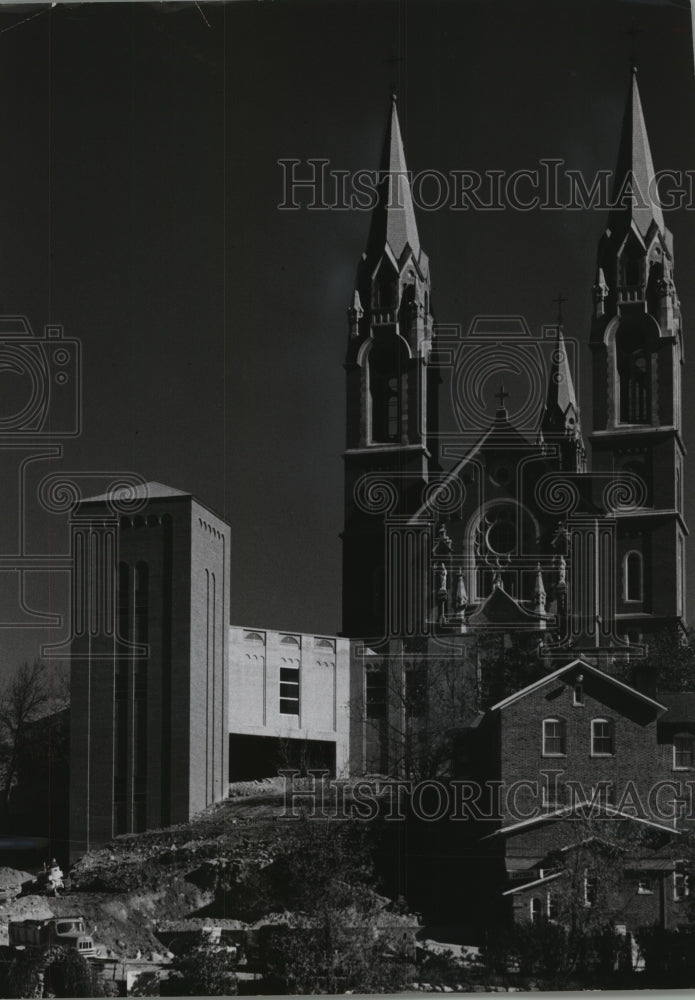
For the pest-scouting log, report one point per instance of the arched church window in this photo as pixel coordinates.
(635, 388)
(632, 271)
(632, 576)
(387, 365)
(393, 407)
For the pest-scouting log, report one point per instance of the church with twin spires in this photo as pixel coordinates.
(530, 522)
(500, 581)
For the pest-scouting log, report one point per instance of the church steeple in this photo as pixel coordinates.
(637, 348)
(560, 422)
(393, 280)
(391, 384)
(393, 221)
(634, 196)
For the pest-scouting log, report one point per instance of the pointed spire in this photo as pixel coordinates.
(633, 185)
(497, 582)
(539, 594)
(393, 221)
(560, 423)
(561, 411)
(355, 313)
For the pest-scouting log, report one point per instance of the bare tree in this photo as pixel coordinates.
(414, 706)
(26, 697)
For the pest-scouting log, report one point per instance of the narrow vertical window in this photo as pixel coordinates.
(602, 739)
(681, 885)
(375, 694)
(632, 576)
(289, 689)
(554, 742)
(683, 752)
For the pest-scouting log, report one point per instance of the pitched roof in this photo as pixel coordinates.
(562, 812)
(635, 167)
(523, 692)
(536, 881)
(500, 608)
(393, 220)
(142, 491)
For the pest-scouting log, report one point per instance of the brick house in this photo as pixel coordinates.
(582, 798)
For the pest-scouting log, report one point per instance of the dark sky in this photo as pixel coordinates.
(139, 192)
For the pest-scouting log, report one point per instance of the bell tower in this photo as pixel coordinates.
(390, 386)
(637, 348)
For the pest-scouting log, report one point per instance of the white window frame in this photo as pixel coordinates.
(594, 737)
(563, 737)
(536, 899)
(691, 739)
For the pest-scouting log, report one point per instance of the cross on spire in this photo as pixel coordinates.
(559, 302)
(633, 32)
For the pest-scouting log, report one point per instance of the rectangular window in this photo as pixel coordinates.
(375, 694)
(683, 752)
(645, 887)
(681, 885)
(553, 738)
(602, 743)
(289, 690)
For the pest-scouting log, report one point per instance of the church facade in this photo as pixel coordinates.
(527, 532)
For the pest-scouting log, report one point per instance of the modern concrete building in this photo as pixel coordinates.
(288, 701)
